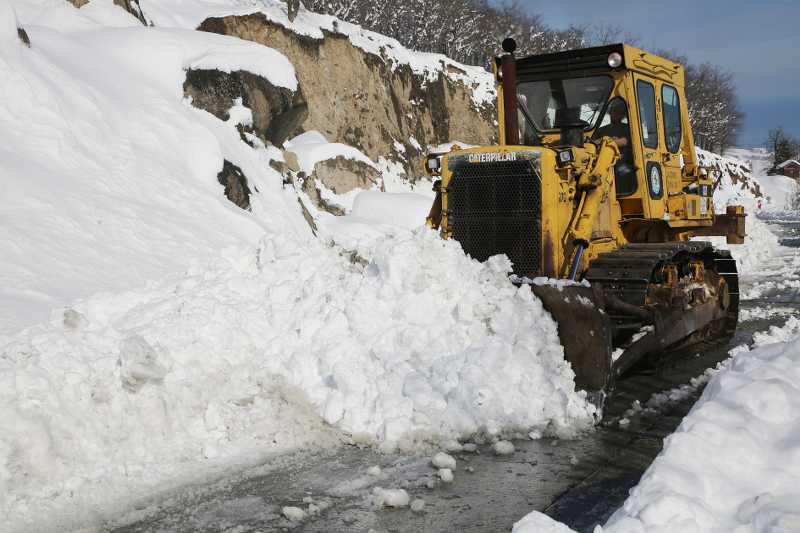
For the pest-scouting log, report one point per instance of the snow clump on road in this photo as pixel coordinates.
(390, 497)
(446, 475)
(503, 447)
(443, 460)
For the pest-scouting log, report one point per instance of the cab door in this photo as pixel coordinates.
(672, 128)
(651, 172)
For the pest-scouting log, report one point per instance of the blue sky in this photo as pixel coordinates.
(758, 40)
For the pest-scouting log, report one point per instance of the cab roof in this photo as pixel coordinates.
(593, 61)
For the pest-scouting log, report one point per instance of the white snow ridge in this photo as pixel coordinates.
(187, 335)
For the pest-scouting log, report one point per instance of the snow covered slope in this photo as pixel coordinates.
(743, 181)
(152, 330)
(780, 192)
(108, 179)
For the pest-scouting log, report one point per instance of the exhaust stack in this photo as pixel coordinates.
(508, 66)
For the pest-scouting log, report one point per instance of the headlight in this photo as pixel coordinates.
(433, 164)
(614, 59)
(565, 156)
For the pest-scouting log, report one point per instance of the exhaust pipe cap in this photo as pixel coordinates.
(509, 45)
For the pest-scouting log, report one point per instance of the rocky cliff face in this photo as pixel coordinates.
(361, 99)
(354, 87)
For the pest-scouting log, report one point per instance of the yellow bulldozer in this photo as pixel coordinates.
(595, 194)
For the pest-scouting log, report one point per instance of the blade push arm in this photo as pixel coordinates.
(594, 184)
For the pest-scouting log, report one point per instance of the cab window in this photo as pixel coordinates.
(671, 109)
(647, 113)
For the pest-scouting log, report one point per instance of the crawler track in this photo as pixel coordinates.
(627, 276)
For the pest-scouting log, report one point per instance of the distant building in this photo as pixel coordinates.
(790, 168)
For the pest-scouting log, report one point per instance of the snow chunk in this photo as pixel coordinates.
(312, 147)
(390, 497)
(443, 460)
(139, 364)
(446, 475)
(418, 505)
(295, 514)
(374, 471)
(537, 522)
(503, 447)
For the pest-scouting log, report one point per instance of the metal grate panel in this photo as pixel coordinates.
(495, 208)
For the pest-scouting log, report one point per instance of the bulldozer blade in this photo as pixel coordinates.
(585, 333)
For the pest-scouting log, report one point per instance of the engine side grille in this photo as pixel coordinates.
(495, 208)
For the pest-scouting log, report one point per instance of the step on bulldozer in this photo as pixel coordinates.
(595, 195)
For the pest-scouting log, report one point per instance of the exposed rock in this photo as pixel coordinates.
(277, 111)
(342, 175)
(235, 183)
(23, 36)
(307, 216)
(359, 99)
(291, 161)
(309, 186)
(132, 7)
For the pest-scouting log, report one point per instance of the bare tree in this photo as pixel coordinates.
(292, 7)
(783, 145)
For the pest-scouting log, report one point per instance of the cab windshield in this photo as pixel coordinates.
(580, 97)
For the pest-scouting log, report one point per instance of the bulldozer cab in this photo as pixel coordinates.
(630, 95)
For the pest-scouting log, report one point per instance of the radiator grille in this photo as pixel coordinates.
(495, 208)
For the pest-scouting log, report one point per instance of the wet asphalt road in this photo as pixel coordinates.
(579, 482)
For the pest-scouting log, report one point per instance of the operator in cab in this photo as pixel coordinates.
(617, 128)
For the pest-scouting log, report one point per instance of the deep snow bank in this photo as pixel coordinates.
(732, 465)
(241, 356)
(734, 462)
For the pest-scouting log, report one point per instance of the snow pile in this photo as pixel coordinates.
(269, 343)
(732, 464)
(204, 366)
(312, 147)
(191, 13)
(405, 210)
(185, 333)
(374, 216)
